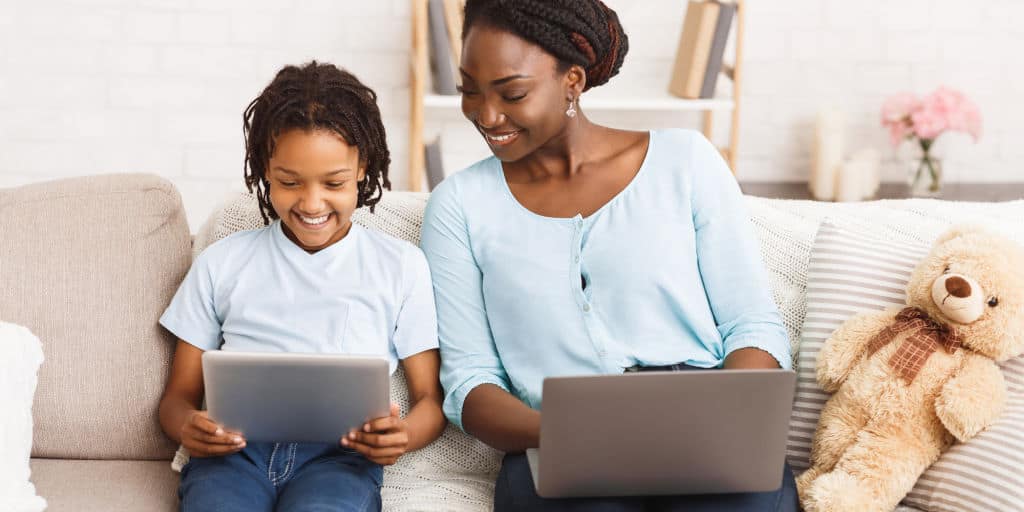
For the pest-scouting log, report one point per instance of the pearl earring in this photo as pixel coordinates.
(571, 111)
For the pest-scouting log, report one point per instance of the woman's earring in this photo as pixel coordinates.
(571, 111)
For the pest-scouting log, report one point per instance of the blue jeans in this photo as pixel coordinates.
(286, 477)
(514, 490)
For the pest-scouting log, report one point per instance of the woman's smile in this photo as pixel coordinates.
(503, 138)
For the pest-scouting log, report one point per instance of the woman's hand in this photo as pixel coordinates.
(204, 437)
(382, 440)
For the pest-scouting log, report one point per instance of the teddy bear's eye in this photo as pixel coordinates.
(945, 270)
(993, 302)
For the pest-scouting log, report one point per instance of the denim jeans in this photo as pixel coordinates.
(514, 491)
(286, 477)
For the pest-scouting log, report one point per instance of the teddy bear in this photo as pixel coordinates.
(909, 382)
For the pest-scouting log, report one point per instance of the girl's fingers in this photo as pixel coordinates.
(228, 438)
(384, 423)
(395, 439)
(201, 449)
(372, 452)
(201, 421)
(381, 424)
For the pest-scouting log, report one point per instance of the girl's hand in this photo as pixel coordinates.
(382, 440)
(204, 437)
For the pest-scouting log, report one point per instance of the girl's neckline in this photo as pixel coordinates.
(292, 247)
(508, 190)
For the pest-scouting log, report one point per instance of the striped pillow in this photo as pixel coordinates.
(848, 274)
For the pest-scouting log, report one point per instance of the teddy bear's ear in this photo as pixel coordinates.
(956, 232)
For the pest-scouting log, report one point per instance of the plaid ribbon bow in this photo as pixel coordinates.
(926, 338)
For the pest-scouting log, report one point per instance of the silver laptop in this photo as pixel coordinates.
(294, 397)
(663, 433)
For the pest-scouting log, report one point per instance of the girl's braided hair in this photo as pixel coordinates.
(316, 96)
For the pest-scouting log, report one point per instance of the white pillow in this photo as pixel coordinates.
(20, 357)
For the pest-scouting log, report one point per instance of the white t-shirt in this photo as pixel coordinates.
(367, 294)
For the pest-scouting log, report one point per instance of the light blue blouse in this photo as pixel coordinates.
(673, 271)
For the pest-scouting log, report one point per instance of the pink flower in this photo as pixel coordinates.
(896, 115)
(898, 107)
(929, 122)
(945, 109)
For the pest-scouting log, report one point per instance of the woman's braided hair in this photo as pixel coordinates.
(582, 32)
(311, 97)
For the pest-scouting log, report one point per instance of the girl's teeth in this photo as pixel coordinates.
(317, 220)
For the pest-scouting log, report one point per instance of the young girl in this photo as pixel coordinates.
(310, 281)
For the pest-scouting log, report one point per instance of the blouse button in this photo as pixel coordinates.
(586, 308)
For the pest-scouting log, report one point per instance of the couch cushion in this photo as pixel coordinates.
(89, 264)
(105, 485)
(851, 272)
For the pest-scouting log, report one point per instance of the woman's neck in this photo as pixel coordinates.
(564, 155)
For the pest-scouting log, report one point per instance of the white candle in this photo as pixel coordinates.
(871, 159)
(828, 153)
(849, 181)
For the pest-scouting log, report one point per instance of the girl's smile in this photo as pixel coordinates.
(314, 181)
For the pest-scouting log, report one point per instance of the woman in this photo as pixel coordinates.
(582, 249)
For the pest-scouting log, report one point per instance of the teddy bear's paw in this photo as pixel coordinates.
(804, 481)
(837, 492)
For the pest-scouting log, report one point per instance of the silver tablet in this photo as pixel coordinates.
(294, 397)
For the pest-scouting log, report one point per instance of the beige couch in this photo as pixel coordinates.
(89, 264)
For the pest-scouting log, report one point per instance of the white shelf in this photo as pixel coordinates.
(636, 103)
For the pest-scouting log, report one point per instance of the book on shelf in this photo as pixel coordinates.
(726, 12)
(454, 10)
(432, 161)
(694, 49)
(440, 56)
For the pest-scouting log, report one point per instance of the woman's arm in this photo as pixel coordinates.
(180, 416)
(749, 357)
(501, 420)
(730, 265)
(470, 364)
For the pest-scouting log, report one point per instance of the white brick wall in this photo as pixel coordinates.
(95, 86)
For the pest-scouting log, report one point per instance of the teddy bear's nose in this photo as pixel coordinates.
(958, 287)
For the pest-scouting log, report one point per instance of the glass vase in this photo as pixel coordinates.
(925, 175)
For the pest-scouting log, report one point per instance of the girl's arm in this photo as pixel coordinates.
(425, 420)
(180, 416)
(384, 440)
